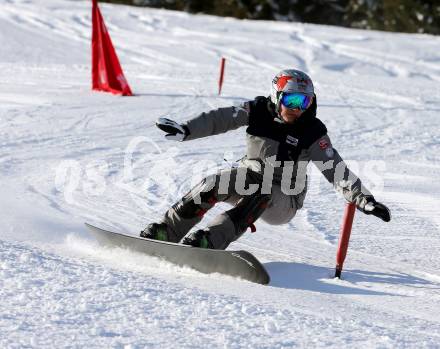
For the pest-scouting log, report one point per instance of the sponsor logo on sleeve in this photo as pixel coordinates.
(323, 144)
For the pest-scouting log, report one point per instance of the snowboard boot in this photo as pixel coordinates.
(199, 238)
(155, 231)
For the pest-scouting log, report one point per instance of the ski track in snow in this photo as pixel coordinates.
(62, 163)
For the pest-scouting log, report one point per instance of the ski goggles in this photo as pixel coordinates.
(296, 100)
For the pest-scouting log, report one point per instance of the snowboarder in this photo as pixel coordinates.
(283, 136)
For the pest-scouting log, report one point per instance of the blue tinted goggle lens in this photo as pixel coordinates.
(295, 101)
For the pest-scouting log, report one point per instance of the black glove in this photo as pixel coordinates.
(175, 131)
(377, 209)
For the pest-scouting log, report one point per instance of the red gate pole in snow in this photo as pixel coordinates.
(107, 73)
(344, 237)
(222, 72)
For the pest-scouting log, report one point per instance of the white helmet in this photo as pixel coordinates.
(290, 81)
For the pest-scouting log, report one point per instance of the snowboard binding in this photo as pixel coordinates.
(155, 231)
(199, 238)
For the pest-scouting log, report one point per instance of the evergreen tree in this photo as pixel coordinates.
(413, 16)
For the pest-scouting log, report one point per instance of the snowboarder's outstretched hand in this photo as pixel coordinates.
(175, 131)
(377, 209)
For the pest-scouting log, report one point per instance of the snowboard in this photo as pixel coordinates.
(241, 264)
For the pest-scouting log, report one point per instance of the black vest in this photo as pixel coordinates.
(293, 138)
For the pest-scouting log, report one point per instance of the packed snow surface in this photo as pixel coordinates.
(70, 155)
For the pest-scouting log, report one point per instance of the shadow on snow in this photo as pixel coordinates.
(320, 279)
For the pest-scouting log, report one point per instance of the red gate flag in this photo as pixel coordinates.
(107, 73)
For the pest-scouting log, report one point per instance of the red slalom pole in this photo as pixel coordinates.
(222, 72)
(344, 237)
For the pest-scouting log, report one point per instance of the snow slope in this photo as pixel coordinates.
(69, 155)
